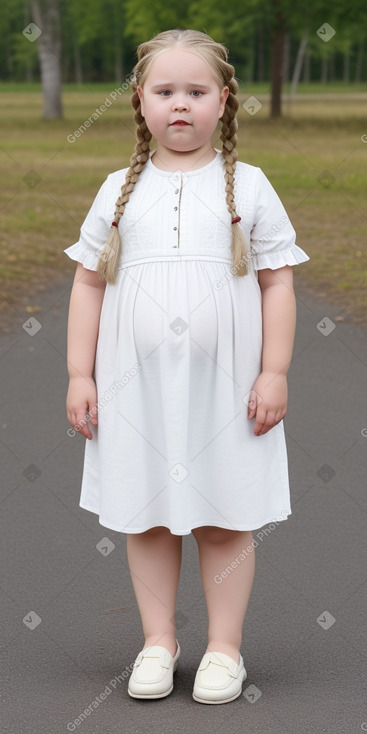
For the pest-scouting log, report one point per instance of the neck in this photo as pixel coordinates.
(172, 160)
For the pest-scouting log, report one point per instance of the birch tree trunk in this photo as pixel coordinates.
(298, 65)
(46, 15)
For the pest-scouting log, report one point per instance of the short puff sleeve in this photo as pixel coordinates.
(94, 231)
(272, 239)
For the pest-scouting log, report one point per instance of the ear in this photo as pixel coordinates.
(141, 97)
(222, 100)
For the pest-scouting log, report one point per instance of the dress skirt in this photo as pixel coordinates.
(178, 352)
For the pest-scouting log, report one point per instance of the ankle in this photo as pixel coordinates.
(226, 648)
(165, 639)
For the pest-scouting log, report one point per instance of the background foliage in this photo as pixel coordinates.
(99, 37)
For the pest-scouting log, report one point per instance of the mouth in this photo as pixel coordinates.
(179, 123)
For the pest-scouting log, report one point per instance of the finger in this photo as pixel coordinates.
(82, 426)
(260, 421)
(251, 409)
(86, 432)
(72, 418)
(270, 421)
(93, 413)
(266, 420)
(252, 404)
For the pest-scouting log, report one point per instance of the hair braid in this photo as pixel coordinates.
(229, 152)
(109, 258)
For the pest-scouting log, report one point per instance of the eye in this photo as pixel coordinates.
(196, 93)
(164, 93)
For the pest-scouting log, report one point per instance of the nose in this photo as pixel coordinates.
(179, 103)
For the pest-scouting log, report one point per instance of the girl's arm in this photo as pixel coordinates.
(268, 401)
(83, 324)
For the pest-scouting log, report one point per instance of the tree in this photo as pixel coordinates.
(99, 38)
(279, 30)
(301, 53)
(145, 19)
(46, 16)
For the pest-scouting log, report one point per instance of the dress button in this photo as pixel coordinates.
(175, 228)
(176, 207)
(177, 190)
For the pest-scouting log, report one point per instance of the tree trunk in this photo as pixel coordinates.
(277, 56)
(298, 65)
(46, 16)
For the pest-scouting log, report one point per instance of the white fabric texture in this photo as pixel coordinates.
(178, 351)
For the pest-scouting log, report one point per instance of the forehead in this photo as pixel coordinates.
(178, 64)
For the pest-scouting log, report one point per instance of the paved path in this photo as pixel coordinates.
(70, 625)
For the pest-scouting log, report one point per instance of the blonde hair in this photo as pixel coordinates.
(217, 57)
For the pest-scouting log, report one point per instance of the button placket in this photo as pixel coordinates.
(176, 209)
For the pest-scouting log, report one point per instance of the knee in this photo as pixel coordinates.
(157, 531)
(214, 535)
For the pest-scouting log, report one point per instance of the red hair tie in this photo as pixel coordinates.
(114, 224)
(236, 219)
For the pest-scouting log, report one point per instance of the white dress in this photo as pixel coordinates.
(179, 349)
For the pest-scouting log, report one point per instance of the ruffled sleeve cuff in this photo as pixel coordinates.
(96, 226)
(81, 254)
(293, 255)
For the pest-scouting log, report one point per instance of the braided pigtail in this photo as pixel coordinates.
(229, 151)
(109, 258)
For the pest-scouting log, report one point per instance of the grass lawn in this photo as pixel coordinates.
(314, 157)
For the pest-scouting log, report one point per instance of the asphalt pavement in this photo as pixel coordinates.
(70, 623)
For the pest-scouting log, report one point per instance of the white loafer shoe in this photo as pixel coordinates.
(218, 679)
(152, 675)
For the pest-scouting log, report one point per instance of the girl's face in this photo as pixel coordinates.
(181, 101)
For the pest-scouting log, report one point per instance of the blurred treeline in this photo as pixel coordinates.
(99, 37)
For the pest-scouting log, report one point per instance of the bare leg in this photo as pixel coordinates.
(155, 561)
(227, 599)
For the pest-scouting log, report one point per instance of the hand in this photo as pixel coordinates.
(81, 401)
(268, 401)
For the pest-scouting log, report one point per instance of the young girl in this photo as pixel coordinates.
(180, 337)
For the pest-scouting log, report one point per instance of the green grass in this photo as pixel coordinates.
(41, 218)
